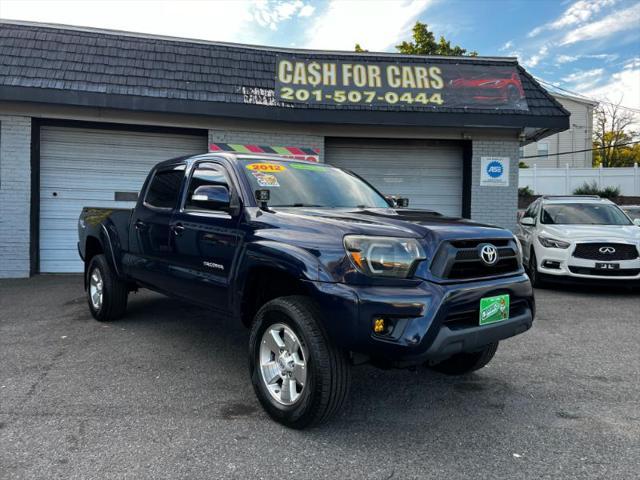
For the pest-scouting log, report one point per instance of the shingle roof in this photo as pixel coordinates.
(94, 63)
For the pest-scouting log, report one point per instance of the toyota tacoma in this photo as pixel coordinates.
(324, 270)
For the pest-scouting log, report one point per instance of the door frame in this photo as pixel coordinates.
(35, 162)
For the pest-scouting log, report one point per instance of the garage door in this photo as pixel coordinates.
(428, 173)
(89, 167)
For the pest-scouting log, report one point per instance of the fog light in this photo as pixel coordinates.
(551, 264)
(379, 325)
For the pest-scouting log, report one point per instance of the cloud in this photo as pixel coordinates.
(507, 46)
(623, 86)
(560, 59)
(583, 75)
(377, 26)
(579, 12)
(225, 20)
(535, 59)
(269, 13)
(306, 11)
(615, 22)
(607, 57)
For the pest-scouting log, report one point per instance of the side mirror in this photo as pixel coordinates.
(397, 202)
(636, 221)
(527, 221)
(212, 197)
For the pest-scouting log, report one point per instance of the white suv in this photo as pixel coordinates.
(579, 237)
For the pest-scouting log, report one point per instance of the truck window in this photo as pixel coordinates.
(205, 174)
(164, 189)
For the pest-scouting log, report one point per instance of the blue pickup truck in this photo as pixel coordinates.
(324, 270)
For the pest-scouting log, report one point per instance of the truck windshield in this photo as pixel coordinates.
(297, 184)
(583, 214)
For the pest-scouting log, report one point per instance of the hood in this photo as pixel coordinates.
(384, 222)
(604, 233)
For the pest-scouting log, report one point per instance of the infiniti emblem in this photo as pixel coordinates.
(489, 254)
(608, 250)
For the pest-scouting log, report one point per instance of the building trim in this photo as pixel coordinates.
(295, 115)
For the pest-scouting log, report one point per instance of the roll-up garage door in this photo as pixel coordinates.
(98, 168)
(428, 173)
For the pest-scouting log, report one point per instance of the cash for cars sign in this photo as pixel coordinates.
(428, 85)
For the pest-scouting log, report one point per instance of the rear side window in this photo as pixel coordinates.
(164, 189)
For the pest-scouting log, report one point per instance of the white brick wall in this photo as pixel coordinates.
(15, 188)
(245, 137)
(495, 205)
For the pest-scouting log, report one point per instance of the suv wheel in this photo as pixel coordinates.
(534, 275)
(106, 294)
(462, 363)
(300, 377)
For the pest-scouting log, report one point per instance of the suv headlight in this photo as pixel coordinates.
(553, 243)
(384, 256)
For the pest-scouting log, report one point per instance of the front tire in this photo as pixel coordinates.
(106, 294)
(463, 363)
(534, 275)
(300, 376)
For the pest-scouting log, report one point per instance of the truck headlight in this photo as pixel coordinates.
(384, 256)
(553, 243)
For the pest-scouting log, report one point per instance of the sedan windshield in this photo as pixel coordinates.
(297, 184)
(583, 214)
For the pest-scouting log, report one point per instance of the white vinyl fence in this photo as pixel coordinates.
(563, 181)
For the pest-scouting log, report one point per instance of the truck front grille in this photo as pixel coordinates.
(606, 251)
(460, 259)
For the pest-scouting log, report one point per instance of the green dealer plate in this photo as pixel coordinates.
(494, 309)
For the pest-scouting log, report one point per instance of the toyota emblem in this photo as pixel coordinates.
(488, 254)
(607, 250)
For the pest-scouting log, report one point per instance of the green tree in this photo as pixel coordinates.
(424, 43)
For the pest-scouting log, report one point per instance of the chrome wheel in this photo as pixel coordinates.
(95, 288)
(283, 364)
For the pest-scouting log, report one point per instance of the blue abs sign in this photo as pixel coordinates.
(494, 171)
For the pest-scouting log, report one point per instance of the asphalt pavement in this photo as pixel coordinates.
(165, 393)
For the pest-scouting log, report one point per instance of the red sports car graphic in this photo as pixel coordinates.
(484, 89)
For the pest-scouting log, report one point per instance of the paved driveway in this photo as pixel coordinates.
(165, 393)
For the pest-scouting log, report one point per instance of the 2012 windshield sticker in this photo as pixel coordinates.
(266, 179)
(266, 167)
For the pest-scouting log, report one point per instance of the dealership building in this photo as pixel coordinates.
(85, 113)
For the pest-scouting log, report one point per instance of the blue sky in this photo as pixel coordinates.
(587, 46)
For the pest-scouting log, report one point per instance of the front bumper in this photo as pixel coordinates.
(431, 321)
(562, 265)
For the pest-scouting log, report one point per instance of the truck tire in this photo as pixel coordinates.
(463, 363)
(299, 375)
(106, 294)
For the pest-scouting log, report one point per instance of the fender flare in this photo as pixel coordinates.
(294, 261)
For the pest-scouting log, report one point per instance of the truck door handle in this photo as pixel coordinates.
(177, 229)
(140, 225)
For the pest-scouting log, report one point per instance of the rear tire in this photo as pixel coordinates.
(463, 363)
(106, 293)
(289, 344)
